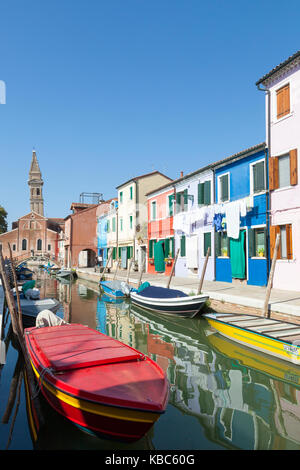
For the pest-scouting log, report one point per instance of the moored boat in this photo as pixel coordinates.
(169, 301)
(97, 382)
(115, 289)
(275, 337)
(64, 273)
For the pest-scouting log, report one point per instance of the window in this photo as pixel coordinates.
(121, 197)
(223, 188)
(257, 178)
(130, 221)
(222, 244)
(37, 191)
(207, 243)
(108, 226)
(121, 224)
(283, 170)
(204, 193)
(49, 247)
(151, 248)
(182, 201)
(39, 244)
(171, 205)
(131, 192)
(182, 246)
(283, 101)
(24, 244)
(153, 210)
(257, 242)
(113, 224)
(14, 247)
(129, 252)
(285, 250)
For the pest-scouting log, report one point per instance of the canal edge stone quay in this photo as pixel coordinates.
(223, 296)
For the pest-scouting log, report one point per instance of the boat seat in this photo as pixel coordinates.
(61, 349)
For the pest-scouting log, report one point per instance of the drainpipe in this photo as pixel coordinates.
(268, 154)
(214, 196)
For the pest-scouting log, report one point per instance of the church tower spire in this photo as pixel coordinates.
(35, 183)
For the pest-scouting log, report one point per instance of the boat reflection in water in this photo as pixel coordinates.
(227, 395)
(222, 395)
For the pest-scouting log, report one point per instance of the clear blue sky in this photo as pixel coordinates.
(107, 90)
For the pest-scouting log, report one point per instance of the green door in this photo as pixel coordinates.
(237, 256)
(159, 256)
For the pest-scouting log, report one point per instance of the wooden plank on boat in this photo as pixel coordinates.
(235, 318)
(274, 327)
(283, 334)
(253, 323)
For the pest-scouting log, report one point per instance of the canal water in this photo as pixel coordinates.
(222, 396)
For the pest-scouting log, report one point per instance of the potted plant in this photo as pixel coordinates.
(151, 260)
(224, 252)
(261, 252)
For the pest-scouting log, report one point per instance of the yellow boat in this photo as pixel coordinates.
(280, 339)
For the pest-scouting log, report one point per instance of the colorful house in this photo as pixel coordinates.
(193, 228)
(133, 217)
(282, 88)
(240, 217)
(161, 244)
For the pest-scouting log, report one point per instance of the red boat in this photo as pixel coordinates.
(96, 381)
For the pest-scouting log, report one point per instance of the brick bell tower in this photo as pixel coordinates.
(35, 183)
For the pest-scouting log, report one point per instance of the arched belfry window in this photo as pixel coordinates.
(24, 244)
(37, 191)
(39, 244)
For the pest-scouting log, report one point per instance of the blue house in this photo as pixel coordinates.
(240, 220)
(102, 239)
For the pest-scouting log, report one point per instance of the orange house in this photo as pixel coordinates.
(161, 243)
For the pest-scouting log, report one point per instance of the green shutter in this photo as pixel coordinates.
(259, 177)
(224, 187)
(251, 242)
(167, 247)
(185, 199)
(119, 251)
(207, 242)
(182, 246)
(171, 199)
(114, 252)
(173, 246)
(131, 192)
(114, 224)
(207, 198)
(201, 193)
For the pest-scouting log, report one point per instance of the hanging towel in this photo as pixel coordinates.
(232, 212)
(192, 252)
(237, 256)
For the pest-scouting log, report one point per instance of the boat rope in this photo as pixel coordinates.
(40, 381)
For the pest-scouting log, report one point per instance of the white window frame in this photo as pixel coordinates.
(219, 187)
(151, 210)
(252, 193)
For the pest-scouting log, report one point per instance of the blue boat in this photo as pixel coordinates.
(116, 289)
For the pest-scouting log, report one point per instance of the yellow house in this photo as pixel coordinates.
(132, 218)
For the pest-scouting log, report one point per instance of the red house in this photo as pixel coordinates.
(161, 245)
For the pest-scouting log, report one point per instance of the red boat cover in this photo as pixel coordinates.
(75, 346)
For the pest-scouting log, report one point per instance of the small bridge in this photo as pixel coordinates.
(42, 257)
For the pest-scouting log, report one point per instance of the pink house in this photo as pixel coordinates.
(282, 90)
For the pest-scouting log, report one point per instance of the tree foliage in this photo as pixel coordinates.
(3, 221)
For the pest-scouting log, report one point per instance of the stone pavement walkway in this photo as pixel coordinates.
(281, 301)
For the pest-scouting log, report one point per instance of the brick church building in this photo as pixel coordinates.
(33, 233)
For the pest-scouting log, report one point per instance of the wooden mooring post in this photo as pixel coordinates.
(118, 264)
(18, 331)
(203, 271)
(173, 269)
(128, 271)
(107, 263)
(141, 274)
(270, 280)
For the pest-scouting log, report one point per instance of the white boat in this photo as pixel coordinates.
(64, 273)
(168, 301)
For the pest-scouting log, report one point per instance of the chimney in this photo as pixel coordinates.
(181, 174)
